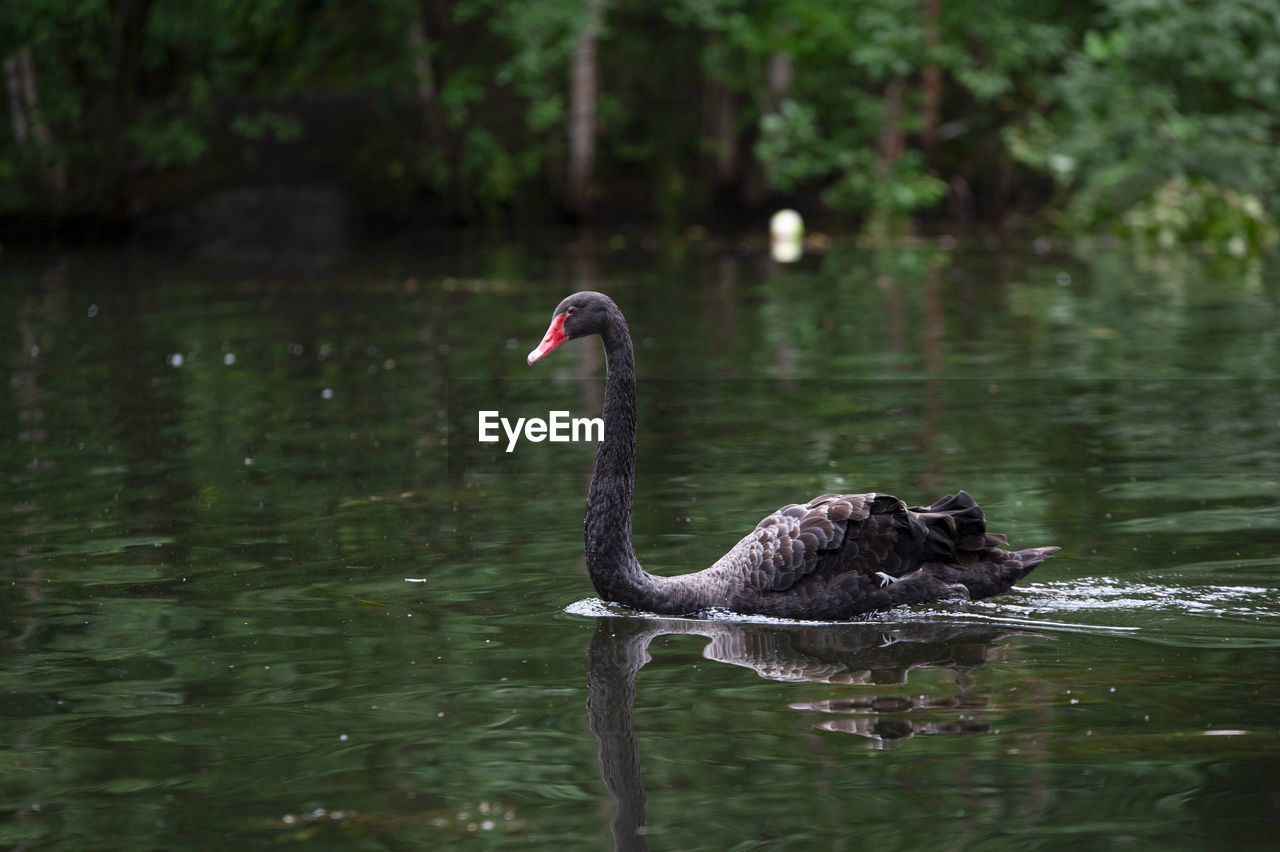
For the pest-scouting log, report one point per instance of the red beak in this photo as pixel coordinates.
(553, 339)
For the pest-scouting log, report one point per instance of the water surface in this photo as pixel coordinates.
(264, 586)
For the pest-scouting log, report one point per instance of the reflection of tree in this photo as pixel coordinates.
(34, 321)
(864, 654)
(934, 409)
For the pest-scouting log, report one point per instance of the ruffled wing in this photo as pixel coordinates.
(793, 542)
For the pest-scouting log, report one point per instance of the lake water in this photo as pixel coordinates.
(263, 586)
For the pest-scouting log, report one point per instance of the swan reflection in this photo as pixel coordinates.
(867, 655)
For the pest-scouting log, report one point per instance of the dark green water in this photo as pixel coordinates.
(262, 585)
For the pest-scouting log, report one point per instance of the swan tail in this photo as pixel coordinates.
(954, 525)
(997, 571)
(960, 551)
(1033, 556)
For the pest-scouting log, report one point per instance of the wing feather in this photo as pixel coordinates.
(789, 544)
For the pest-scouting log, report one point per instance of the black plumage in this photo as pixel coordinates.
(834, 557)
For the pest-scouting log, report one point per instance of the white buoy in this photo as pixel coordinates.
(786, 225)
(786, 236)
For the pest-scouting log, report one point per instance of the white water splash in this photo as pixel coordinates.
(1106, 593)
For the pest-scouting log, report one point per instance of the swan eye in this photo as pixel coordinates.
(572, 310)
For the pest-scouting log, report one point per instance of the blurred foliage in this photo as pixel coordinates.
(1200, 211)
(1164, 123)
(1156, 118)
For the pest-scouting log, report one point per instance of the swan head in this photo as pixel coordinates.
(579, 315)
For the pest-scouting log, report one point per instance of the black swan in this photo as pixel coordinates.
(829, 559)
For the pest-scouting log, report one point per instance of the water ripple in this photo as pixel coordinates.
(1176, 613)
(1167, 613)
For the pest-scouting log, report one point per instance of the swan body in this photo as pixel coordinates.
(832, 558)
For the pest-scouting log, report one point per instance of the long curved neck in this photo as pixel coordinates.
(615, 571)
(611, 560)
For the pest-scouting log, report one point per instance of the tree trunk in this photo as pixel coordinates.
(583, 94)
(892, 141)
(16, 82)
(778, 76)
(426, 81)
(24, 111)
(931, 83)
(721, 152)
(121, 105)
(883, 220)
(437, 135)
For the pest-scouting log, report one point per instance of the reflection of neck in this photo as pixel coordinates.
(611, 692)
